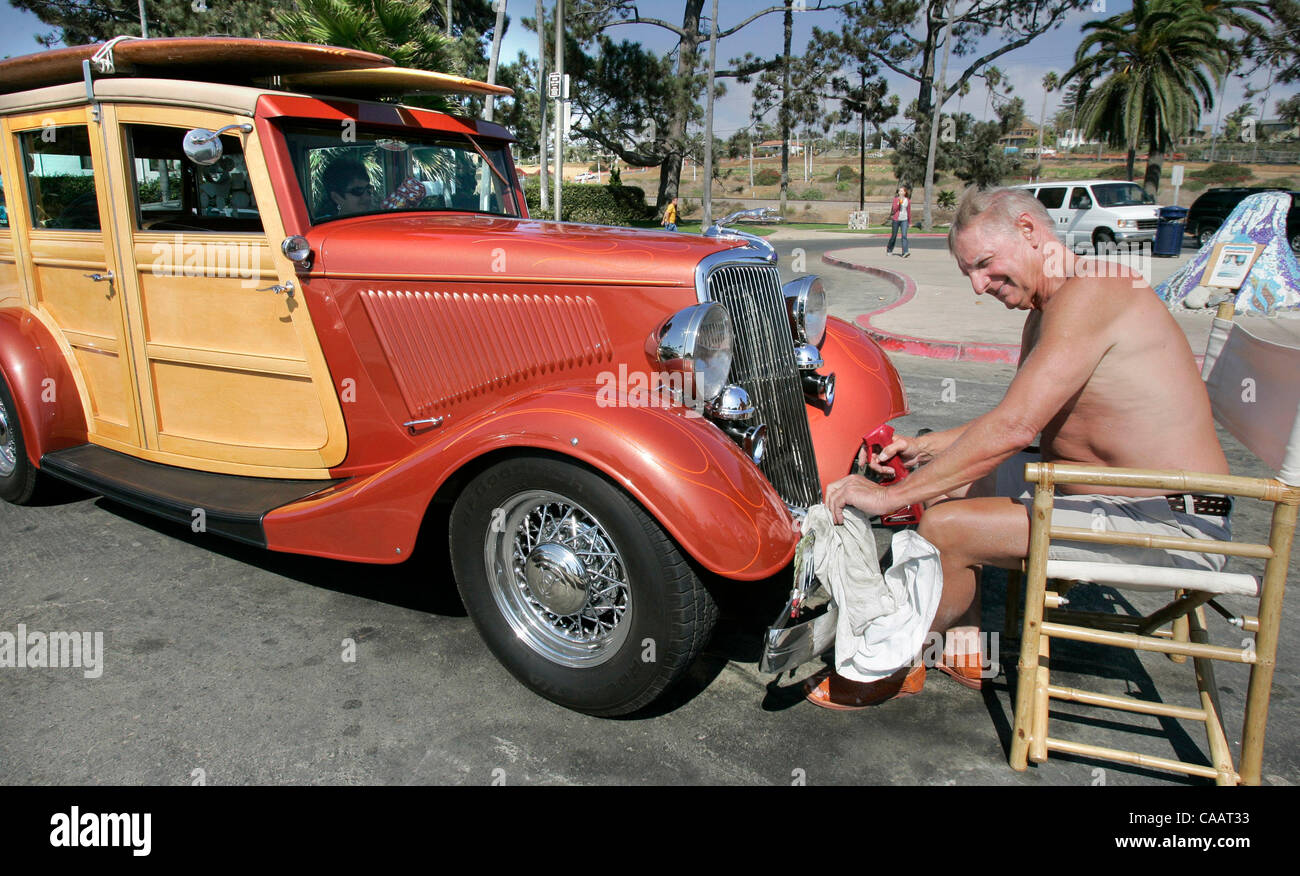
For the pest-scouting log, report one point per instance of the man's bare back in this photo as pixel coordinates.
(1144, 405)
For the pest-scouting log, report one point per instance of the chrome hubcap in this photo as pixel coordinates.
(558, 578)
(8, 446)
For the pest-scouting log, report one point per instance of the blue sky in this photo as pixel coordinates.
(1026, 66)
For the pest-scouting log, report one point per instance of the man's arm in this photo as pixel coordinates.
(1075, 334)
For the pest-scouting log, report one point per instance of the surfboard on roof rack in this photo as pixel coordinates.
(388, 82)
(212, 59)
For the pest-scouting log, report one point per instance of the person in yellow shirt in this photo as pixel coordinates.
(670, 216)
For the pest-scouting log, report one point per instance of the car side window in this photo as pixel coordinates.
(1052, 198)
(172, 193)
(1080, 199)
(60, 178)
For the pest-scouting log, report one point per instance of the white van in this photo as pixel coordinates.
(1098, 212)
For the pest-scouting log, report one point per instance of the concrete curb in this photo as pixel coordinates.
(931, 348)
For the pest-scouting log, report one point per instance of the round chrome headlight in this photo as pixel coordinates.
(696, 343)
(805, 303)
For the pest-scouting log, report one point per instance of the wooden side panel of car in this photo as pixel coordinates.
(231, 379)
(54, 264)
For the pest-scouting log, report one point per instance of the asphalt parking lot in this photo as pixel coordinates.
(226, 665)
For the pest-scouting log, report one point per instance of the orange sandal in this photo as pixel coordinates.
(831, 690)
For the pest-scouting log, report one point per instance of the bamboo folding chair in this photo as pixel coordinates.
(1255, 393)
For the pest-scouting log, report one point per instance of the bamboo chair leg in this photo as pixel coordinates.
(1220, 753)
(1038, 744)
(1032, 626)
(1180, 631)
(1012, 621)
(1270, 617)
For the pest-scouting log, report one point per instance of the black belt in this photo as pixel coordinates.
(1214, 506)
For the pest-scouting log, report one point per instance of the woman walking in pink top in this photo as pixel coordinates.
(900, 216)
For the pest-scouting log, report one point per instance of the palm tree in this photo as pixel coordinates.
(962, 91)
(1050, 82)
(992, 79)
(1158, 64)
(401, 30)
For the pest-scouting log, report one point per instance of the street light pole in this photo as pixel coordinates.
(559, 108)
(144, 24)
(541, 106)
(927, 221)
(708, 121)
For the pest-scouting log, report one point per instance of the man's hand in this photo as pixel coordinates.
(908, 451)
(855, 490)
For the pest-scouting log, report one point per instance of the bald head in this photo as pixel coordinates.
(997, 211)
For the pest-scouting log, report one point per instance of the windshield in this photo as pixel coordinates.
(354, 173)
(1124, 194)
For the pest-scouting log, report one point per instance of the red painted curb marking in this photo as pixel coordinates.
(931, 348)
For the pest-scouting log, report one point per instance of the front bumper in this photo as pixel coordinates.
(790, 643)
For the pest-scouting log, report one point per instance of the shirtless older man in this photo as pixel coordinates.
(1105, 375)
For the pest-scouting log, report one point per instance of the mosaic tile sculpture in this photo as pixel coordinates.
(1272, 288)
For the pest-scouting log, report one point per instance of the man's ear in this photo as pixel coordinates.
(1026, 226)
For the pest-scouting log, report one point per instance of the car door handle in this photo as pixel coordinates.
(106, 277)
(286, 288)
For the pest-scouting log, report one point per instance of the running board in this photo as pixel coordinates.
(232, 505)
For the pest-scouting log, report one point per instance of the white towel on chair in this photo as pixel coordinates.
(883, 619)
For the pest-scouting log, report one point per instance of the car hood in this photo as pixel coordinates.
(467, 247)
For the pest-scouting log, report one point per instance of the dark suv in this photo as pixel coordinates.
(1213, 206)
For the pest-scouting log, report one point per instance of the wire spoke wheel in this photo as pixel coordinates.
(578, 591)
(8, 443)
(558, 578)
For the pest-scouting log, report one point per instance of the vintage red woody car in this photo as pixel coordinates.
(239, 290)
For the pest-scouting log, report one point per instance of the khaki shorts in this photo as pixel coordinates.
(1148, 516)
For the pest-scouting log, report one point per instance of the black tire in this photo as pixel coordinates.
(1205, 233)
(667, 613)
(1103, 238)
(17, 474)
(1295, 243)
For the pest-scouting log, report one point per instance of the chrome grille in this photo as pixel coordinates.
(1146, 224)
(763, 363)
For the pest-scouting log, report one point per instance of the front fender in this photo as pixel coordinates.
(868, 392)
(683, 470)
(44, 390)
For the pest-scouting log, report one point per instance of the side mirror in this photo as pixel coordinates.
(203, 147)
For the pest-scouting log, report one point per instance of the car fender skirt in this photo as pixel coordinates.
(868, 392)
(44, 390)
(682, 469)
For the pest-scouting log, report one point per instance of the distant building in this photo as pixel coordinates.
(1025, 135)
(1073, 137)
(1277, 129)
(773, 147)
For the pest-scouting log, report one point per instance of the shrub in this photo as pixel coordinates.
(151, 191)
(843, 173)
(1222, 173)
(1193, 185)
(596, 204)
(767, 177)
(812, 195)
(947, 199)
(65, 188)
